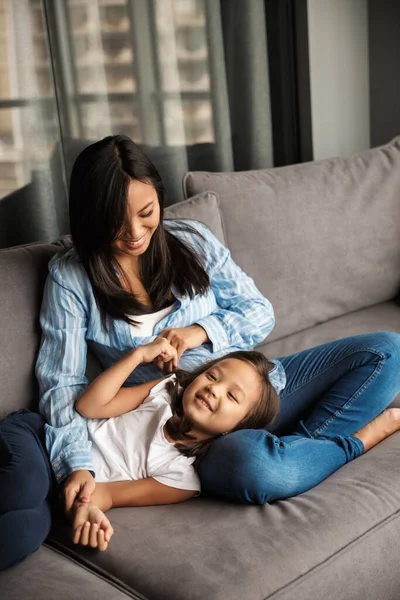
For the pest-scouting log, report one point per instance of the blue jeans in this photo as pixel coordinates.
(332, 391)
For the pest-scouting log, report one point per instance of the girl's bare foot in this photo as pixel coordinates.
(380, 428)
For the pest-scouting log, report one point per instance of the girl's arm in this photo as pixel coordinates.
(91, 526)
(144, 492)
(105, 397)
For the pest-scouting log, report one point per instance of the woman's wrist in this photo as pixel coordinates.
(202, 333)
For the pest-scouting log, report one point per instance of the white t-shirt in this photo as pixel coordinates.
(133, 446)
(148, 322)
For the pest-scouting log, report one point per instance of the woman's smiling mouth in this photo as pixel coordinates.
(135, 245)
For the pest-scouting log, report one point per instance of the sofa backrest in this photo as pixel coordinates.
(23, 271)
(320, 239)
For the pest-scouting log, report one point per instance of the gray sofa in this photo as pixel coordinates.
(322, 241)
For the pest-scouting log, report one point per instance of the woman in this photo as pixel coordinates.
(131, 277)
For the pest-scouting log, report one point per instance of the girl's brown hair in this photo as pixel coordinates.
(262, 414)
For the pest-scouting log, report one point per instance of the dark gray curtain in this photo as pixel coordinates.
(189, 77)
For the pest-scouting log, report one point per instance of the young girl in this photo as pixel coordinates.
(147, 439)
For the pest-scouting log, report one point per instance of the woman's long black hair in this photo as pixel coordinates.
(98, 199)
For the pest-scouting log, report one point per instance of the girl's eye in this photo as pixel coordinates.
(232, 397)
(147, 214)
(211, 376)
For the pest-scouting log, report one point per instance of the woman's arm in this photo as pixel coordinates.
(244, 317)
(144, 492)
(60, 371)
(105, 397)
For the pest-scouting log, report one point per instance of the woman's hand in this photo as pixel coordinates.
(181, 339)
(90, 526)
(160, 351)
(79, 484)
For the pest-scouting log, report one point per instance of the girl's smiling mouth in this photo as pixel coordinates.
(203, 402)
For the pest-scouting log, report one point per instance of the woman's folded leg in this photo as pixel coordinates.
(338, 387)
(26, 487)
(22, 532)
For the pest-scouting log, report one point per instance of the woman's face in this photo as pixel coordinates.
(143, 217)
(221, 397)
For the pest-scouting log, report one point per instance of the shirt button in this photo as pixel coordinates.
(184, 296)
(224, 344)
(208, 359)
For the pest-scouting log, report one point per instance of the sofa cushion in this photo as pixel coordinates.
(47, 575)
(203, 207)
(208, 549)
(23, 271)
(320, 239)
(381, 317)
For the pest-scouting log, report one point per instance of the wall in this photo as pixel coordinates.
(339, 76)
(384, 47)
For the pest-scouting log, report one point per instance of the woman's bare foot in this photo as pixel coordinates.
(380, 428)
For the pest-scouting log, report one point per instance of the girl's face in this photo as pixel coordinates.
(219, 399)
(142, 220)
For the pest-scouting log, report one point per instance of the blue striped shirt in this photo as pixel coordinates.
(233, 313)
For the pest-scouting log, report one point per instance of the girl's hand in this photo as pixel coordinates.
(161, 350)
(90, 526)
(181, 339)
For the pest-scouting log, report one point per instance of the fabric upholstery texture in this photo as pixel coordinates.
(381, 317)
(48, 575)
(203, 207)
(23, 271)
(320, 239)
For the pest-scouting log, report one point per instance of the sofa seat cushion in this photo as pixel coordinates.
(47, 574)
(208, 549)
(320, 239)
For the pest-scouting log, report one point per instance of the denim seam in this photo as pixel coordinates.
(381, 356)
(345, 406)
(277, 593)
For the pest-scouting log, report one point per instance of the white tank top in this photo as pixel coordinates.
(148, 322)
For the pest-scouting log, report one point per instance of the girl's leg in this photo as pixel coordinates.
(26, 487)
(336, 389)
